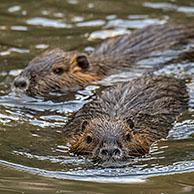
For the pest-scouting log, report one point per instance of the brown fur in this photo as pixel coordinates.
(112, 56)
(127, 118)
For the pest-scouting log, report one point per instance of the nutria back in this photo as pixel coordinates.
(59, 71)
(142, 42)
(126, 119)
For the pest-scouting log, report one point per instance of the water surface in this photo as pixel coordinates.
(34, 157)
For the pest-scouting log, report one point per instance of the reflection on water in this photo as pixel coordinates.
(31, 130)
(171, 7)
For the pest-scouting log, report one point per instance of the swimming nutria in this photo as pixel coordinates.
(126, 119)
(58, 71)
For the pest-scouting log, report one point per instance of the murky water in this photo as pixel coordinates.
(33, 155)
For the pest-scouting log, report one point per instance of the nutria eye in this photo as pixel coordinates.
(58, 71)
(88, 139)
(128, 137)
(130, 123)
(83, 125)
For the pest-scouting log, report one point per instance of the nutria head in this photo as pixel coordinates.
(54, 71)
(109, 141)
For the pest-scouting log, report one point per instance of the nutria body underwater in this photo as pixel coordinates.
(59, 71)
(126, 119)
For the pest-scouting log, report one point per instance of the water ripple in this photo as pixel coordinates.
(129, 175)
(45, 22)
(170, 7)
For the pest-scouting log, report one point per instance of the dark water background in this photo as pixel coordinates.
(33, 155)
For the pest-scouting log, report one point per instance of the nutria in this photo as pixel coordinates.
(59, 71)
(126, 119)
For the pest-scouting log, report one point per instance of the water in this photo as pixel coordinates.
(34, 157)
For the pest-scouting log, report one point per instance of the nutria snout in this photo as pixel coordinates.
(20, 84)
(60, 71)
(125, 120)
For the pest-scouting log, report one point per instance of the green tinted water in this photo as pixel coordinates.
(33, 155)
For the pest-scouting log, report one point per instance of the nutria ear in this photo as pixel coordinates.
(83, 125)
(82, 61)
(130, 123)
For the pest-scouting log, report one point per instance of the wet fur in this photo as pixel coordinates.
(152, 103)
(112, 56)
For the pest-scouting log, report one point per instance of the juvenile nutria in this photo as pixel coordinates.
(126, 119)
(58, 71)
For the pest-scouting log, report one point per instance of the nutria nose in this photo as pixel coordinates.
(110, 152)
(20, 83)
